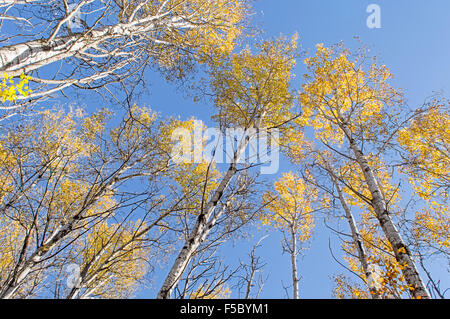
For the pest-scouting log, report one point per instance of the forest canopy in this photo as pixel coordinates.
(106, 202)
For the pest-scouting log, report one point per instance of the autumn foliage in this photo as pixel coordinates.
(104, 195)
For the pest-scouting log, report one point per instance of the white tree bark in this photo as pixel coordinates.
(116, 41)
(401, 251)
(29, 265)
(356, 236)
(294, 254)
(204, 223)
(31, 55)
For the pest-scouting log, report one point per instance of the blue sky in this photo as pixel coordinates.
(413, 41)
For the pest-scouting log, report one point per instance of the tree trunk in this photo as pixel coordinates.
(357, 239)
(294, 263)
(28, 56)
(59, 234)
(401, 251)
(202, 227)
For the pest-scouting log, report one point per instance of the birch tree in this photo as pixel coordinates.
(366, 251)
(292, 207)
(425, 161)
(68, 198)
(357, 240)
(250, 91)
(93, 44)
(348, 101)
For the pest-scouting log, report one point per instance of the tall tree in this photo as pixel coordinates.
(349, 102)
(358, 242)
(251, 91)
(292, 207)
(68, 191)
(91, 44)
(425, 161)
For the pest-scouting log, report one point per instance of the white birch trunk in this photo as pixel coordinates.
(401, 251)
(202, 227)
(22, 271)
(28, 56)
(356, 236)
(293, 253)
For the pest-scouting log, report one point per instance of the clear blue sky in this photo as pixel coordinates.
(413, 41)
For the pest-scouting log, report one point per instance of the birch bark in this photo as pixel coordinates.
(356, 236)
(29, 265)
(294, 262)
(401, 251)
(204, 223)
(28, 56)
